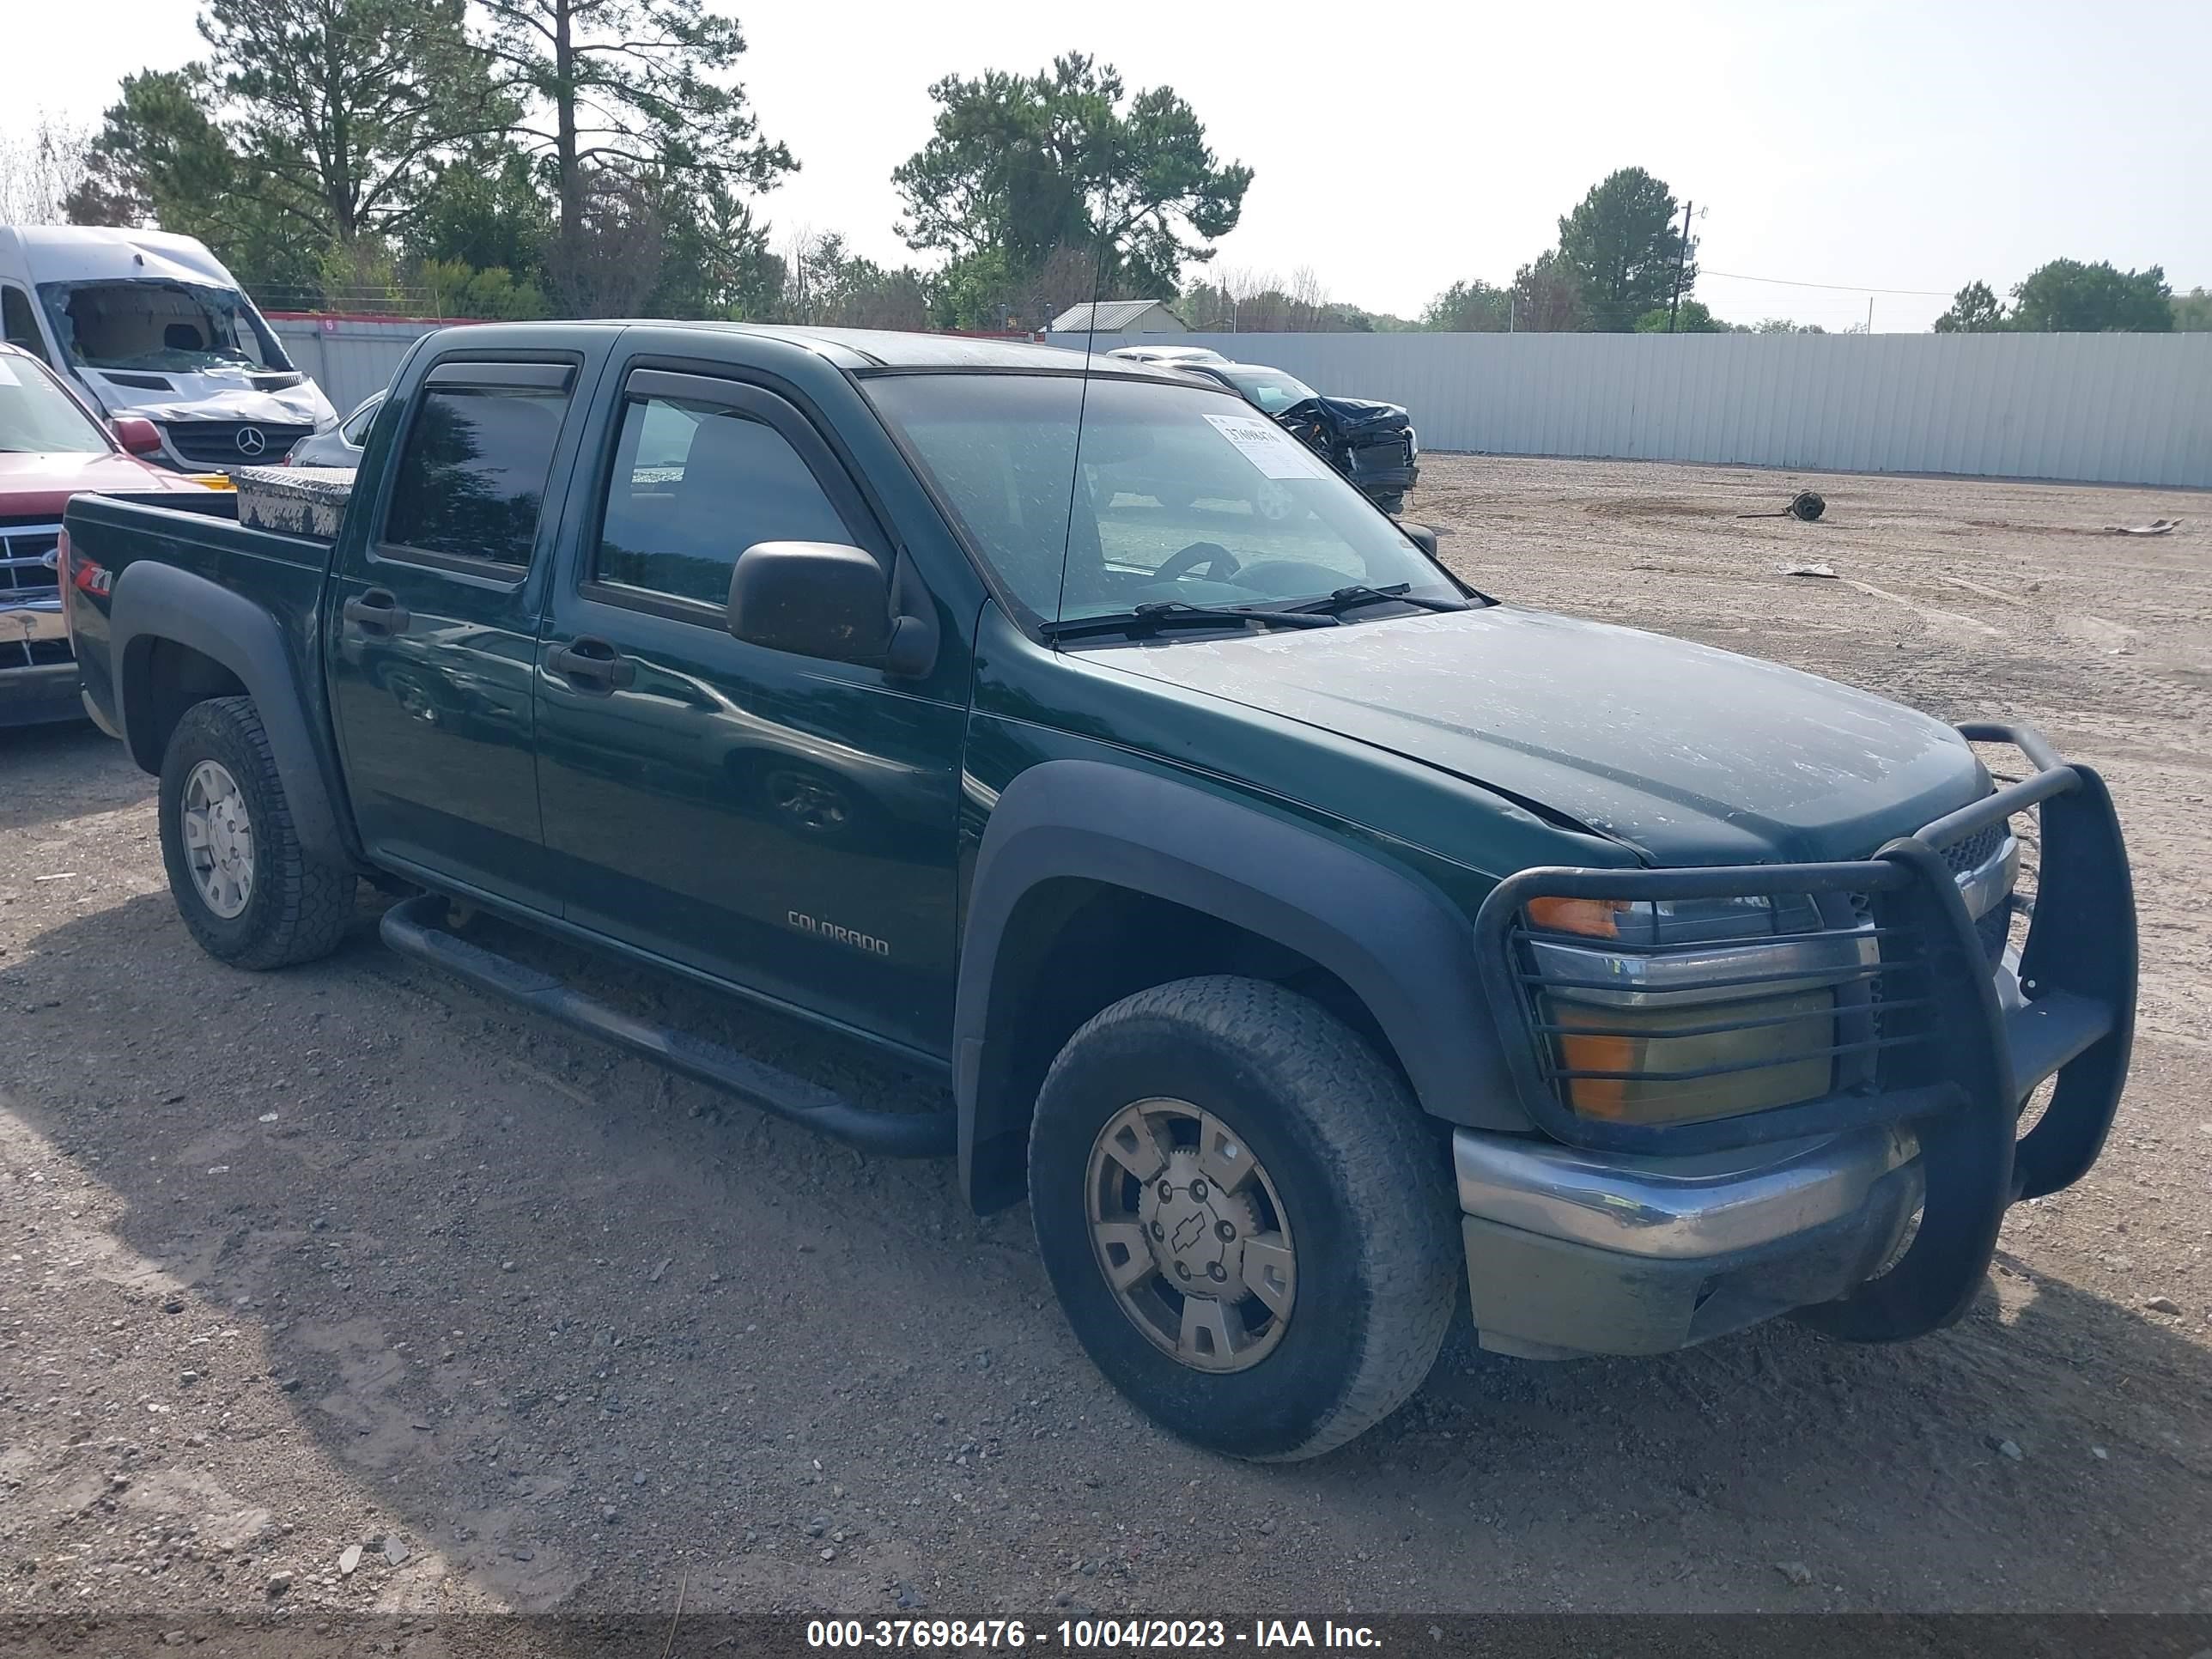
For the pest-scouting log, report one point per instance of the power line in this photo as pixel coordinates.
(1841, 288)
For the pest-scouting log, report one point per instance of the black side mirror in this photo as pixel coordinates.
(1421, 536)
(813, 599)
(827, 600)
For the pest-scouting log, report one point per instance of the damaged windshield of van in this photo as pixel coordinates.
(150, 322)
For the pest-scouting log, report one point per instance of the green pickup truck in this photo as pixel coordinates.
(1304, 933)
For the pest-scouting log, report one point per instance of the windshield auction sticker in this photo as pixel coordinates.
(1268, 447)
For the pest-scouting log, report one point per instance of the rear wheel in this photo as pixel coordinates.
(1248, 1220)
(246, 889)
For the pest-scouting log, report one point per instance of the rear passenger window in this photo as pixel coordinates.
(694, 485)
(472, 475)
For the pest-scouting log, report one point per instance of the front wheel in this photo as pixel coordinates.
(247, 889)
(1248, 1220)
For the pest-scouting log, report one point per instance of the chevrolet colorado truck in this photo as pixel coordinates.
(1304, 934)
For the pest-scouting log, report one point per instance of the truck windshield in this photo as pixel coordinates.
(37, 417)
(1181, 495)
(154, 323)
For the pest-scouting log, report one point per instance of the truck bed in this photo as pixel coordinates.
(106, 535)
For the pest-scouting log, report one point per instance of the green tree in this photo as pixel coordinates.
(718, 262)
(1470, 307)
(338, 109)
(1022, 166)
(2066, 296)
(1547, 296)
(629, 87)
(1624, 243)
(830, 286)
(486, 209)
(2192, 312)
(1975, 309)
(157, 156)
(1690, 317)
(162, 158)
(456, 290)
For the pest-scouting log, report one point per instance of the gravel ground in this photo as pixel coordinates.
(350, 1256)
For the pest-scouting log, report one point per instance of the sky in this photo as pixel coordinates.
(1846, 152)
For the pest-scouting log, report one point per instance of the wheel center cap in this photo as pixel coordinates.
(1196, 1231)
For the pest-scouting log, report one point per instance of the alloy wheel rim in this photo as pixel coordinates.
(218, 839)
(1191, 1235)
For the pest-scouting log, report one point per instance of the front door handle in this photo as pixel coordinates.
(376, 612)
(594, 661)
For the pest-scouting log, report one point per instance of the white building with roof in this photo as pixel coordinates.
(1125, 319)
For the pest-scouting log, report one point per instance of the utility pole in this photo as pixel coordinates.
(1675, 304)
(1869, 314)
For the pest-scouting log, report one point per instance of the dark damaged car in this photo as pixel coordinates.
(1371, 443)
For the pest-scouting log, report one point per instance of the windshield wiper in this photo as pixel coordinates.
(1145, 619)
(1351, 598)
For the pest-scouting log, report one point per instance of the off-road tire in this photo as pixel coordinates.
(297, 910)
(1364, 1176)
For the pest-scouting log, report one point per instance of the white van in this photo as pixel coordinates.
(151, 324)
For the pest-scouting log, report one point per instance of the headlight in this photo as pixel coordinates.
(1680, 1011)
(1413, 449)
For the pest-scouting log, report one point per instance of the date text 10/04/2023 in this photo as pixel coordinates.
(1086, 1635)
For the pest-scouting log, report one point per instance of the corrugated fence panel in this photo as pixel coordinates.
(2100, 408)
(349, 357)
(2103, 408)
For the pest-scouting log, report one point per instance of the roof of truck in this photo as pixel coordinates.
(876, 348)
(847, 349)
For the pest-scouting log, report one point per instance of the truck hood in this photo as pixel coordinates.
(1689, 754)
(224, 394)
(1348, 417)
(39, 486)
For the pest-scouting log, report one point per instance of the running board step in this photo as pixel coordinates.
(413, 929)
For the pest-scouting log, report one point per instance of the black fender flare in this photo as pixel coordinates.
(154, 602)
(1403, 948)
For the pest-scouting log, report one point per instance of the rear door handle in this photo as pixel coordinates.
(377, 613)
(592, 661)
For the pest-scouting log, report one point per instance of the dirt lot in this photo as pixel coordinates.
(294, 1263)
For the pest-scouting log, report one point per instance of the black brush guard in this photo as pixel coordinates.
(1943, 1055)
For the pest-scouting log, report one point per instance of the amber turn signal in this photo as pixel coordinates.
(1592, 918)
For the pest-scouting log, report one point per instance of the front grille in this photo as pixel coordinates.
(1972, 852)
(32, 653)
(29, 564)
(216, 442)
(1386, 455)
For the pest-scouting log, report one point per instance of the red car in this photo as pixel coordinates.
(52, 448)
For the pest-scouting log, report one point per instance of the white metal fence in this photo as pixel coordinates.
(349, 357)
(2102, 408)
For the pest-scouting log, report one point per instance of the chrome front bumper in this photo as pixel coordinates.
(40, 619)
(1572, 1253)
